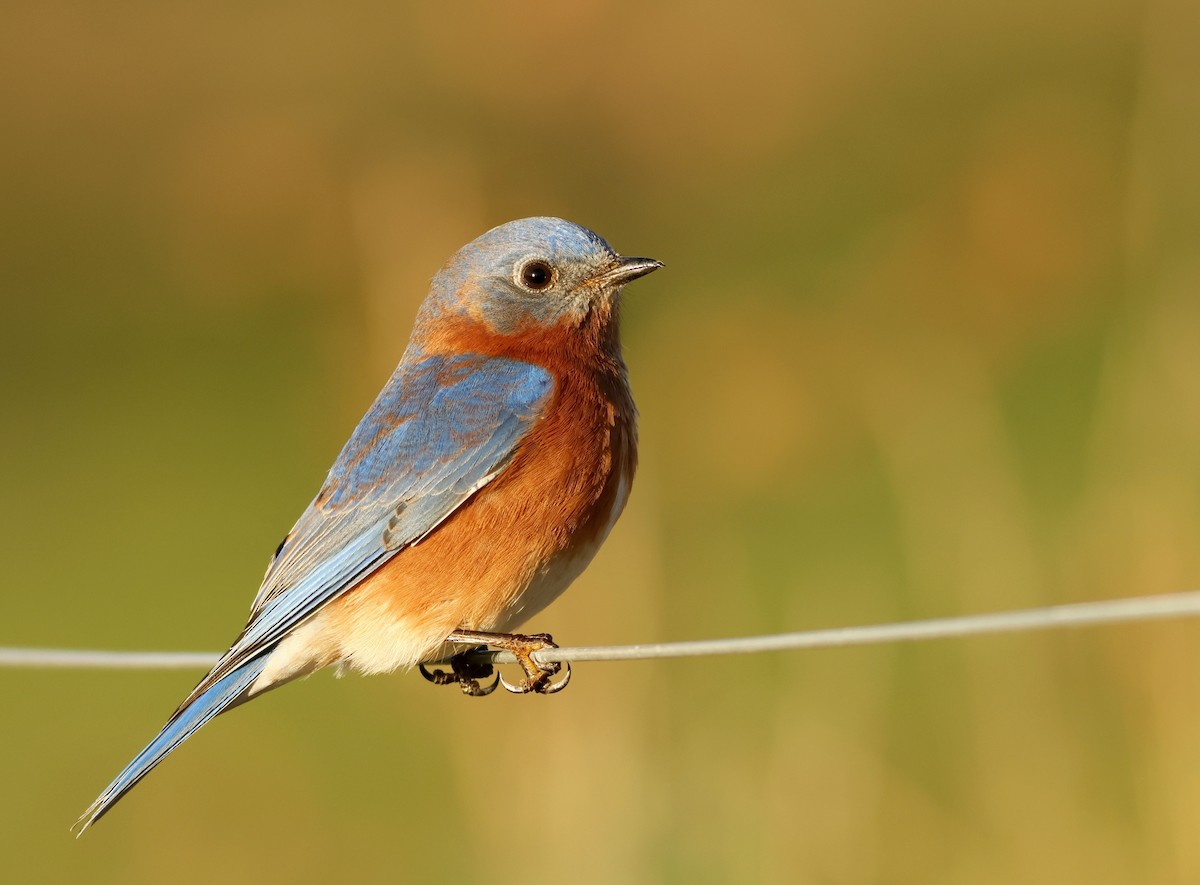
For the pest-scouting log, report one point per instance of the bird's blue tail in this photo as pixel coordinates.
(218, 697)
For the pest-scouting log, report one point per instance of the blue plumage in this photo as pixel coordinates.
(438, 430)
(441, 427)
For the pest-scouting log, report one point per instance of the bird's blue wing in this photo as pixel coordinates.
(442, 428)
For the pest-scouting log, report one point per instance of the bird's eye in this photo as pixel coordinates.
(536, 275)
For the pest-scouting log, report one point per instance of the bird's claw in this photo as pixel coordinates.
(466, 674)
(538, 677)
(541, 684)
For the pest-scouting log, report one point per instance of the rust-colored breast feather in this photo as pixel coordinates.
(543, 517)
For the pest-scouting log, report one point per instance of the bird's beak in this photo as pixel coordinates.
(626, 269)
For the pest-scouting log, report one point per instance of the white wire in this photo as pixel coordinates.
(112, 660)
(1083, 614)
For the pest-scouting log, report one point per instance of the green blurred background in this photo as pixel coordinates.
(928, 343)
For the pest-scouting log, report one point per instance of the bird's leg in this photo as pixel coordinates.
(537, 677)
(466, 673)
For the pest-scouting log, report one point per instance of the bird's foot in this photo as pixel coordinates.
(466, 673)
(538, 677)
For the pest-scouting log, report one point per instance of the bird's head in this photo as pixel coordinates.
(535, 272)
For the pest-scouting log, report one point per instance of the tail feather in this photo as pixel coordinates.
(221, 695)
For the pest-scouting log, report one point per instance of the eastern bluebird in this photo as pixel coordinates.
(478, 485)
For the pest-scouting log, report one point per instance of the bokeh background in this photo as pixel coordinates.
(928, 343)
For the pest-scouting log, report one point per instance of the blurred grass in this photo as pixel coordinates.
(927, 342)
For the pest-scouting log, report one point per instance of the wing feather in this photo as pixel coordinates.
(441, 429)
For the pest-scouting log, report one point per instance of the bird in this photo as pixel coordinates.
(477, 486)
